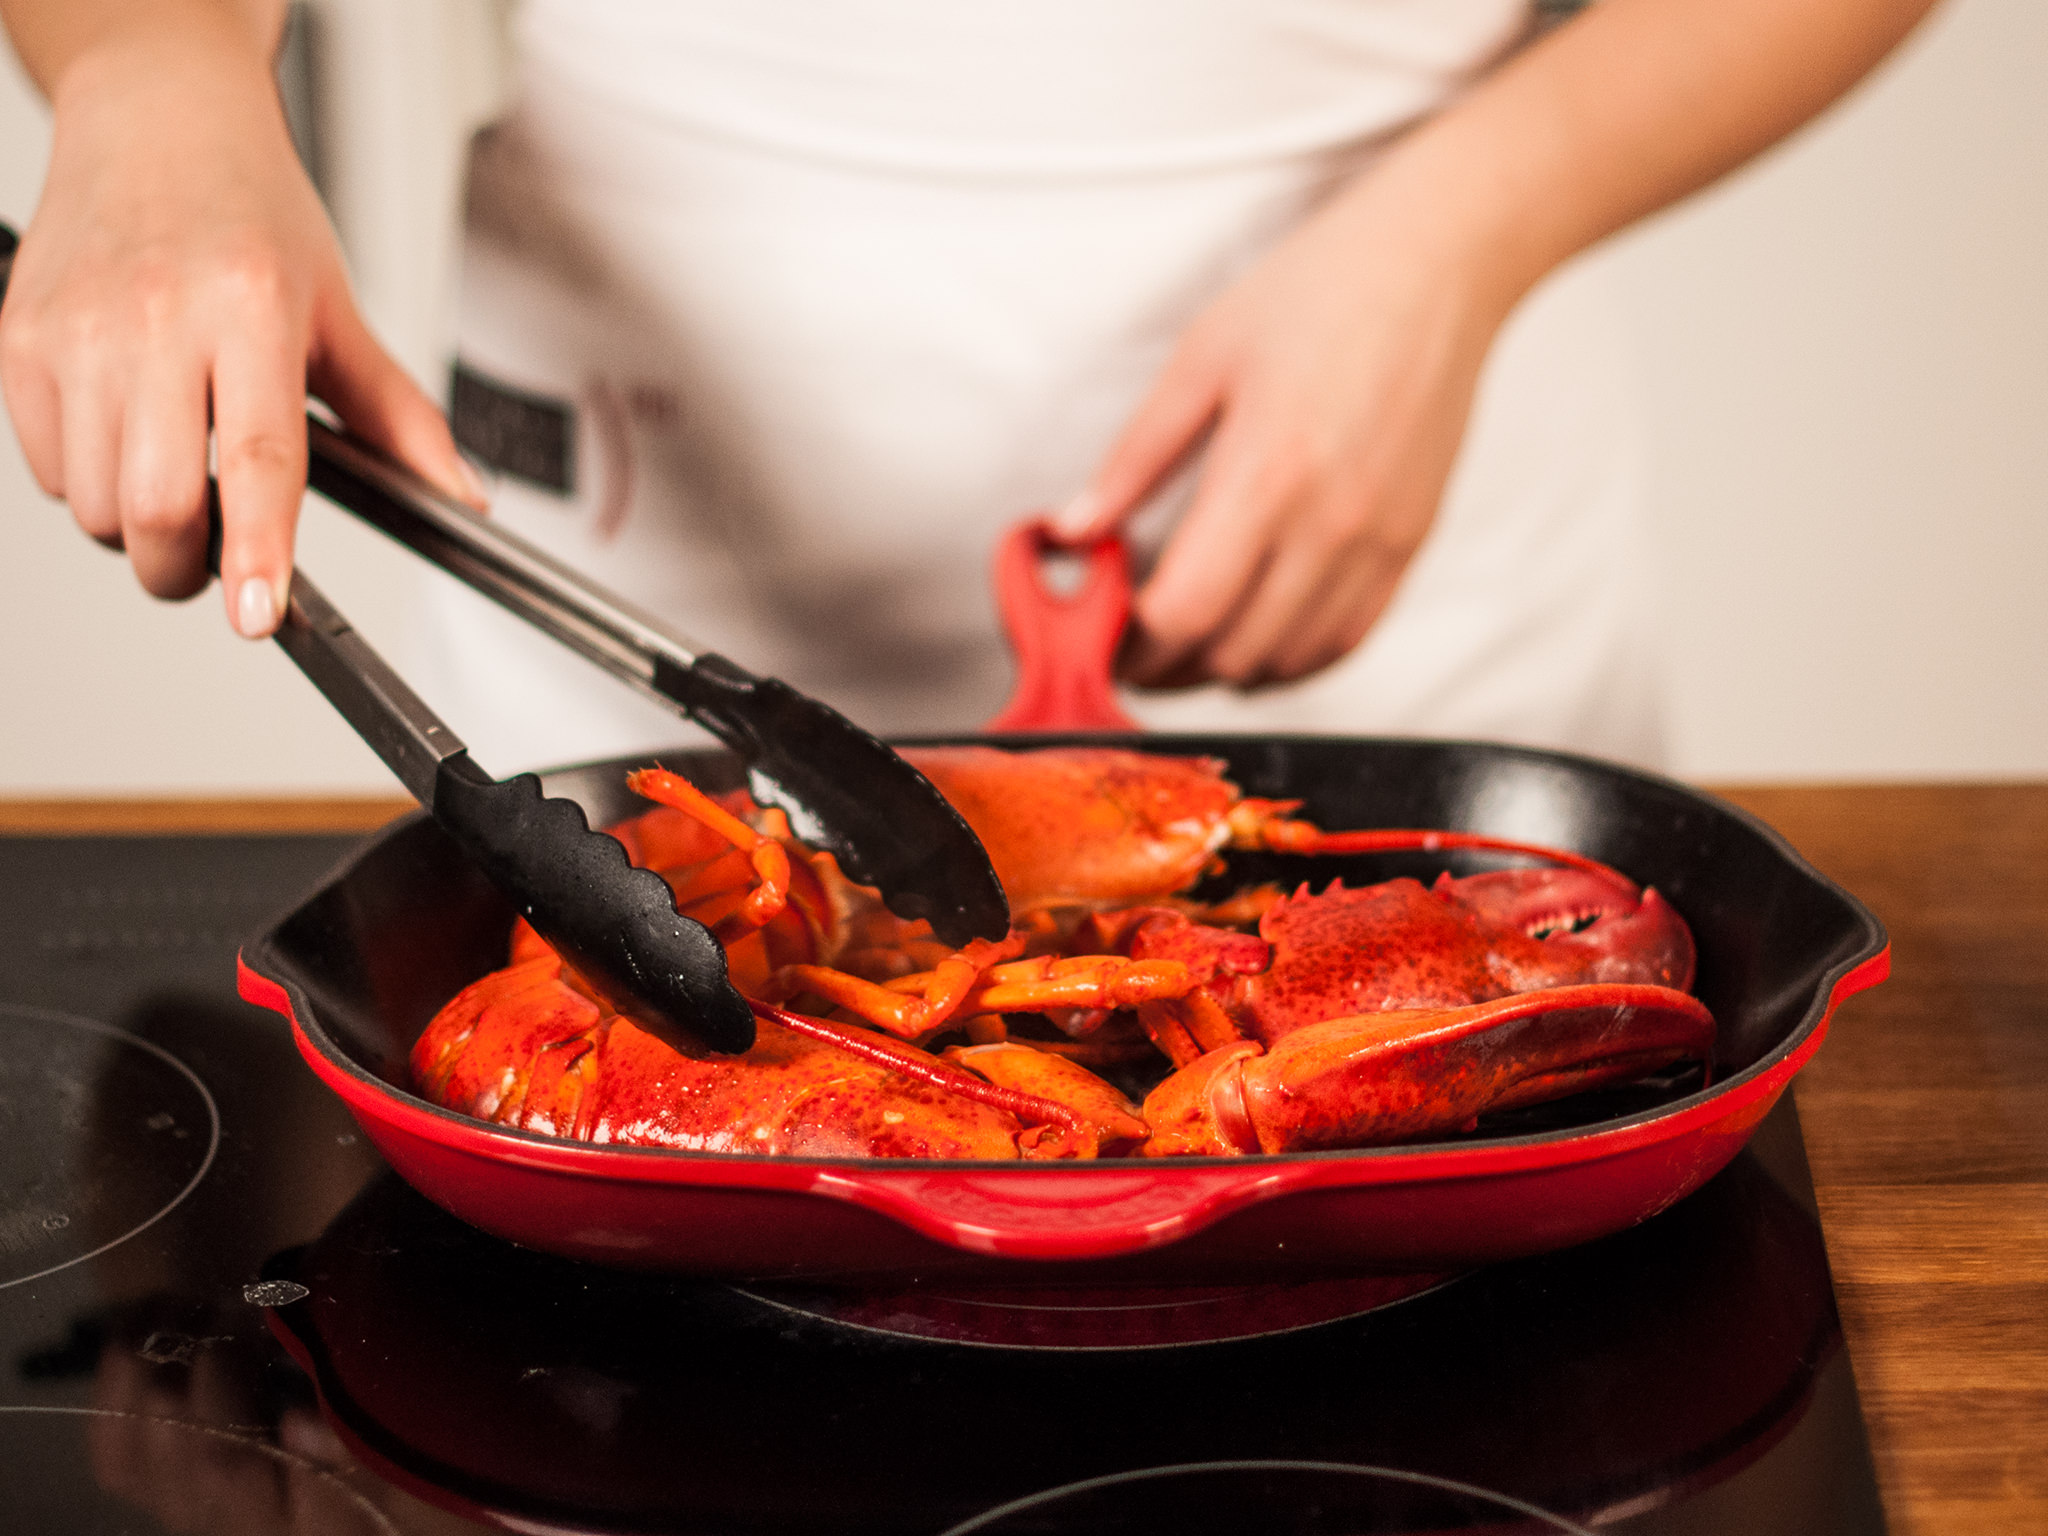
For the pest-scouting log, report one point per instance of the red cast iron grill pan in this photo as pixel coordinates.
(362, 965)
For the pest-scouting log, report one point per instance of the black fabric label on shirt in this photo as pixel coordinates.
(528, 436)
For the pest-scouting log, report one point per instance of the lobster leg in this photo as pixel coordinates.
(1260, 824)
(906, 1007)
(1109, 1122)
(973, 982)
(1410, 1073)
(769, 859)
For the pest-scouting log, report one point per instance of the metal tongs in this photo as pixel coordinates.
(843, 790)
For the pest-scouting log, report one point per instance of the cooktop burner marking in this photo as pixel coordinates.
(46, 1153)
(1098, 1318)
(224, 1443)
(1267, 1515)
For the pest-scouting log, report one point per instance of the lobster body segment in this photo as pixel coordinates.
(1086, 826)
(526, 1048)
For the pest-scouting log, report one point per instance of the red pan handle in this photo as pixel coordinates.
(1064, 645)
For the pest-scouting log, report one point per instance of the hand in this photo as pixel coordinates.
(180, 273)
(1332, 383)
(185, 1444)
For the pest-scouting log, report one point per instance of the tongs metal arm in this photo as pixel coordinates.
(844, 791)
(399, 727)
(630, 644)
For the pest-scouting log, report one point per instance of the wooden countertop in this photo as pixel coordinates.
(1926, 1116)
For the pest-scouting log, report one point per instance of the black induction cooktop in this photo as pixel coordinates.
(220, 1313)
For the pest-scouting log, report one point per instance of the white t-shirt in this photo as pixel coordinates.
(839, 290)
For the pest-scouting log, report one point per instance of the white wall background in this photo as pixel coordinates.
(1844, 350)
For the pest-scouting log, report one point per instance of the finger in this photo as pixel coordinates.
(1179, 658)
(1346, 613)
(162, 475)
(113, 1436)
(216, 1396)
(1217, 554)
(33, 405)
(91, 413)
(306, 1435)
(259, 430)
(1331, 621)
(1190, 671)
(1164, 430)
(380, 402)
(178, 1471)
(1290, 596)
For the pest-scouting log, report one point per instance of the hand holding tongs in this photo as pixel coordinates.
(843, 790)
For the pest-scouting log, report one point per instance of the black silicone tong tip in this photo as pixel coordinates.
(615, 923)
(847, 793)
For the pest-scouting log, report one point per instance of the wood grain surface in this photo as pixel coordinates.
(215, 814)
(1926, 1116)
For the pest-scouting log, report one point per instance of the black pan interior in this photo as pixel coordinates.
(396, 932)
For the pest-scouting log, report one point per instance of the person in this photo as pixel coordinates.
(775, 314)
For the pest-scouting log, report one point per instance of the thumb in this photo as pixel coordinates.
(1169, 422)
(378, 401)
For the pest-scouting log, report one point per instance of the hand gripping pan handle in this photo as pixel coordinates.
(617, 925)
(843, 790)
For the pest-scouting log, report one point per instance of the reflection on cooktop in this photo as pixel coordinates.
(1099, 1317)
(101, 1134)
(102, 1472)
(1305, 1497)
(1613, 1379)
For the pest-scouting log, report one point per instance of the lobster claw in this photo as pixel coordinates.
(1407, 1074)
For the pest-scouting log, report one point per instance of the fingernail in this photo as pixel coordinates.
(474, 491)
(1078, 515)
(256, 609)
